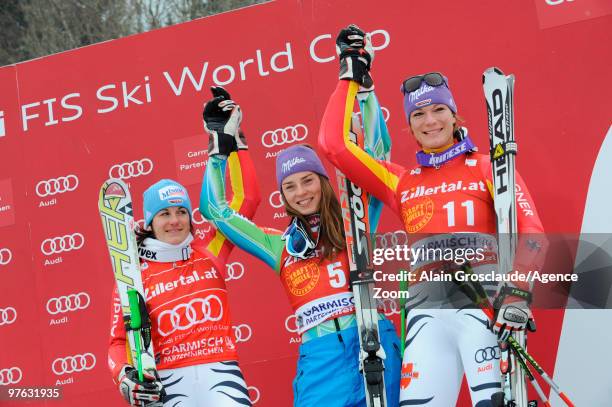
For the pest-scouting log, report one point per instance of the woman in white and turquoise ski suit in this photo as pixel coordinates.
(311, 260)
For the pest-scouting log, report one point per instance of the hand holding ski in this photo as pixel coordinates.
(141, 391)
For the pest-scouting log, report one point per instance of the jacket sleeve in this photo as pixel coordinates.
(118, 354)
(532, 243)
(239, 230)
(380, 178)
(245, 200)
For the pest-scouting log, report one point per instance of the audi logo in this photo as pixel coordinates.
(5, 256)
(243, 333)
(276, 200)
(235, 271)
(184, 316)
(73, 364)
(487, 354)
(66, 303)
(286, 135)
(131, 169)
(12, 375)
(391, 239)
(390, 307)
(58, 185)
(198, 219)
(7, 315)
(256, 394)
(60, 244)
(291, 324)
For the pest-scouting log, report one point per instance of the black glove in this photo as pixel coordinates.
(356, 54)
(149, 392)
(222, 117)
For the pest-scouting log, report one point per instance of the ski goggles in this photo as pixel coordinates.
(432, 79)
(298, 241)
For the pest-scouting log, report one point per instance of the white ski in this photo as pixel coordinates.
(115, 206)
(498, 90)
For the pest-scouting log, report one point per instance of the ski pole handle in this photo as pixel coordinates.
(135, 325)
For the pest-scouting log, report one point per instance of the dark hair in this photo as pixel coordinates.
(142, 233)
(331, 229)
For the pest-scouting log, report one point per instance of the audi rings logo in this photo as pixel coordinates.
(7, 315)
(243, 333)
(390, 307)
(276, 200)
(60, 244)
(256, 394)
(487, 354)
(198, 219)
(234, 271)
(12, 375)
(58, 185)
(5, 256)
(66, 303)
(291, 324)
(391, 239)
(73, 364)
(132, 169)
(286, 135)
(184, 316)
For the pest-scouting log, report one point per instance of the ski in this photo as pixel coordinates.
(499, 93)
(115, 206)
(354, 203)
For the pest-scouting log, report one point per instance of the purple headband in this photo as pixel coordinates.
(297, 159)
(427, 95)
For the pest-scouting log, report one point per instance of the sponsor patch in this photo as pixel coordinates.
(417, 214)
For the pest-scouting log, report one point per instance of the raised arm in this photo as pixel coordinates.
(245, 200)
(380, 178)
(268, 247)
(222, 118)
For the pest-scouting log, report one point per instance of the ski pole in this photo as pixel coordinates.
(135, 325)
(483, 302)
(518, 348)
(532, 379)
(402, 304)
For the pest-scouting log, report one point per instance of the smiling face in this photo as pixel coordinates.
(433, 126)
(171, 225)
(302, 191)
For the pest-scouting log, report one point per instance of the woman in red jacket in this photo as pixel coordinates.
(443, 203)
(187, 302)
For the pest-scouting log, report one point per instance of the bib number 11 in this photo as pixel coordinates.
(450, 212)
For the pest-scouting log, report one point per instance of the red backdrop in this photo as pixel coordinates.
(69, 120)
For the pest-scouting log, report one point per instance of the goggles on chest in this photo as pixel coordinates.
(298, 241)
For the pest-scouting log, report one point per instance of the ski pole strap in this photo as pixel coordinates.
(503, 149)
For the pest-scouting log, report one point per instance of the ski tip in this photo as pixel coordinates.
(493, 69)
(114, 189)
